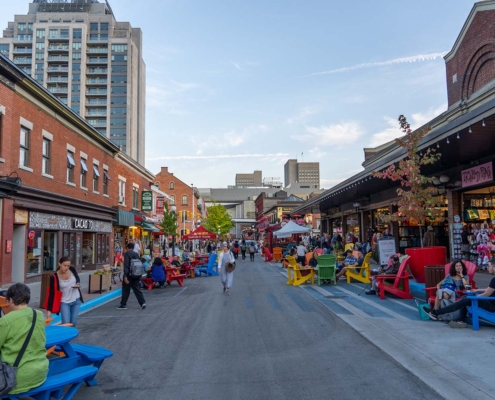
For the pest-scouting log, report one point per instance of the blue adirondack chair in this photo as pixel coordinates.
(208, 269)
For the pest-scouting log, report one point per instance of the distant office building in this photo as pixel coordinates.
(89, 61)
(271, 182)
(248, 180)
(301, 172)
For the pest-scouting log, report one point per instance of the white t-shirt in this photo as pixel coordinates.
(301, 251)
(69, 294)
(137, 248)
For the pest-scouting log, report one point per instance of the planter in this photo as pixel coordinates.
(421, 257)
(99, 283)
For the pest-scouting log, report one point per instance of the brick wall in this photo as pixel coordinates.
(473, 61)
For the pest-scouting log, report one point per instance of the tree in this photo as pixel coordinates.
(417, 196)
(169, 221)
(218, 218)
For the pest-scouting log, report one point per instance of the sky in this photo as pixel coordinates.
(237, 86)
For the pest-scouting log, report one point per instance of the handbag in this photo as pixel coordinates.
(57, 297)
(8, 372)
(229, 267)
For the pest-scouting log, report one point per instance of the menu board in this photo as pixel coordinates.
(386, 248)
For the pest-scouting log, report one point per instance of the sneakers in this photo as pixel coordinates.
(457, 324)
(121, 308)
(370, 292)
(143, 306)
(227, 292)
(431, 313)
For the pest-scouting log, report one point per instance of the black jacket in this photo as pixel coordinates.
(128, 256)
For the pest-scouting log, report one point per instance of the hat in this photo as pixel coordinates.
(229, 267)
(430, 228)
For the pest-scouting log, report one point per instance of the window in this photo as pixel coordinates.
(76, 98)
(70, 167)
(118, 121)
(77, 33)
(39, 67)
(115, 78)
(106, 178)
(53, 33)
(103, 36)
(76, 66)
(39, 77)
(121, 191)
(172, 200)
(96, 176)
(119, 48)
(64, 33)
(76, 87)
(24, 156)
(135, 197)
(76, 56)
(30, 26)
(93, 36)
(122, 58)
(4, 48)
(93, 26)
(119, 89)
(184, 200)
(118, 110)
(40, 46)
(76, 46)
(21, 26)
(104, 26)
(46, 156)
(117, 132)
(119, 100)
(40, 56)
(119, 68)
(172, 186)
(40, 33)
(76, 77)
(84, 171)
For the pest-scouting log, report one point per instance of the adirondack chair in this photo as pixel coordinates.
(400, 284)
(471, 269)
(4, 306)
(326, 268)
(319, 251)
(207, 269)
(309, 256)
(295, 274)
(349, 246)
(477, 312)
(361, 274)
(277, 253)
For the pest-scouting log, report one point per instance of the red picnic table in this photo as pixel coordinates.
(172, 275)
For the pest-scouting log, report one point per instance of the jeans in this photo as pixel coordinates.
(251, 256)
(70, 312)
(463, 303)
(243, 252)
(126, 291)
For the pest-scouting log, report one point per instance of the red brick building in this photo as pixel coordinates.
(63, 186)
(184, 197)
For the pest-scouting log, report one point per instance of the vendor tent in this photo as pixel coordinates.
(200, 234)
(290, 228)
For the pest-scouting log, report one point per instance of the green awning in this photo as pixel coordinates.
(150, 227)
(124, 218)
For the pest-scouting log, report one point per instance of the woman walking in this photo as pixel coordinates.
(226, 257)
(64, 280)
(243, 249)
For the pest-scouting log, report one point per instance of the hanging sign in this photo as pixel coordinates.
(160, 200)
(476, 175)
(146, 200)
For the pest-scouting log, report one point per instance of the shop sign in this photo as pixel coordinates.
(160, 201)
(21, 216)
(476, 175)
(146, 200)
(39, 220)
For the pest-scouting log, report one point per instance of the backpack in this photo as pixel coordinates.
(251, 249)
(452, 316)
(136, 268)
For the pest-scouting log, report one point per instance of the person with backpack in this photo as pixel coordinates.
(243, 249)
(133, 270)
(251, 251)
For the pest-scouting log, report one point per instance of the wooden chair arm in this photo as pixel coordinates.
(386, 276)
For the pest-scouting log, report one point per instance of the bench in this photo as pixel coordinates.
(477, 312)
(361, 274)
(54, 386)
(179, 278)
(400, 285)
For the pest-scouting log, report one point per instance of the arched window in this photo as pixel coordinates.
(172, 186)
(184, 200)
(172, 200)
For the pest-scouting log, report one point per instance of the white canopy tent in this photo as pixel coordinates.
(289, 229)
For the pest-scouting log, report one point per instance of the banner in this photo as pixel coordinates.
(146, 200)
(160, 200)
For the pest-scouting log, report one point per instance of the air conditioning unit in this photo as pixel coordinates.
(121, 199)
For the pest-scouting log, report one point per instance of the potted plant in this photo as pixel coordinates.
(417, 195)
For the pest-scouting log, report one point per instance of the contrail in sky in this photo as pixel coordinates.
(217, 157)
(402, 60)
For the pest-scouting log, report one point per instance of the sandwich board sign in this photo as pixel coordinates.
(386, 248)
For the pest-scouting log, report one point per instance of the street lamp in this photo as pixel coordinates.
(173, 209)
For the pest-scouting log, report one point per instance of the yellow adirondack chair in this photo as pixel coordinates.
(290, 269)
(349, 246)
(361, 274)
(297, 278)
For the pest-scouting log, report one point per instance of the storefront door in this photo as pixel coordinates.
(50, 251)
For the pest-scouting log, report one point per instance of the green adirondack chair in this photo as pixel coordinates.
(326, 268)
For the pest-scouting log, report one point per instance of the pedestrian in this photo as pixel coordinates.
(208, 248)
(137, 247)
(243, 249)
(251, 251)
(65, 280)
(130, 280)
(227, 277)
(430, 238)
(301, 253)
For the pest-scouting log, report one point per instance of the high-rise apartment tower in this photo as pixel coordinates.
(87, 60)
(302, 172)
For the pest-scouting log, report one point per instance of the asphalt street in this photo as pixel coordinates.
(267, 340)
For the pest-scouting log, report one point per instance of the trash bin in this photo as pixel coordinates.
(433, 275)
(45, 282)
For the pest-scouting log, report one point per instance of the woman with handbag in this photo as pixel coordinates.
(64, 293)
(22, 342)
(226, 265)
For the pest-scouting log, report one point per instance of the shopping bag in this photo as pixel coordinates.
(421, 309)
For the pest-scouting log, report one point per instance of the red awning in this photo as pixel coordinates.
(200, 234)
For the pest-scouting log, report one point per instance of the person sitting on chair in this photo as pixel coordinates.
(349, 260)
(158, 272)
(357, 263)
(391, 270)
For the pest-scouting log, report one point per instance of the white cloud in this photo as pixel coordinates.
(331, 135)
(236, 65)
(218, 156)
(393, 130)
(303, 113)
(401, 60)
(316, 153)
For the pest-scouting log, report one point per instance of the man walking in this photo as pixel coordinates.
(130, 281)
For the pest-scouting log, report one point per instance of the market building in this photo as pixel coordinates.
(463, 135)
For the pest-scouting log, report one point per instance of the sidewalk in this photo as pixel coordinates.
(451, 361)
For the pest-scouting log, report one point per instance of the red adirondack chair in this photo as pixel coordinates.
(471, 269)
(400, 284)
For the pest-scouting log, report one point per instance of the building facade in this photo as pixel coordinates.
(89, 61)
(248, 180)
(302, 172)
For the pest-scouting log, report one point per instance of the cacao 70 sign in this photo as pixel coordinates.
(146, 200)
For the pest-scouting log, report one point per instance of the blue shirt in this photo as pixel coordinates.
(349, 260)
(158, 273)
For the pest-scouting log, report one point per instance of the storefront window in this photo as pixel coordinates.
(88, 248)
(34, 253)
(69, 247)
(50, 251)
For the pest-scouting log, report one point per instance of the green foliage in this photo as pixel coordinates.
(168, 224)
(218, 217)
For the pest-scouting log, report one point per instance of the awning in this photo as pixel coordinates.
(150, 227)
(124, 218)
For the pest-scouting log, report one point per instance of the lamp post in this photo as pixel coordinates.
(218, 232)
(193, 225)
(173, 209)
